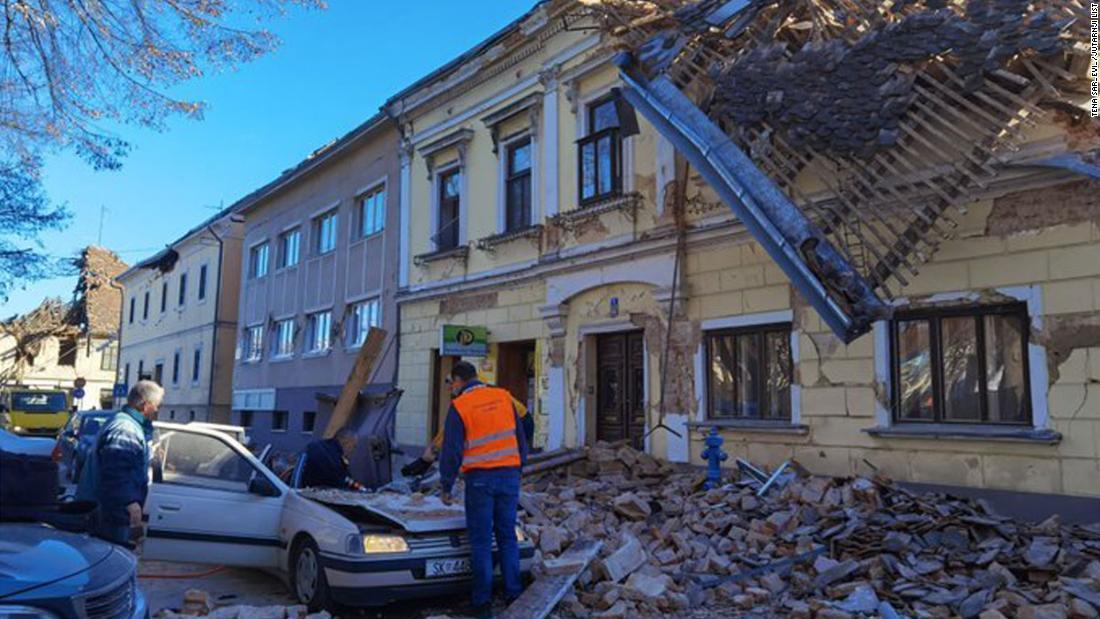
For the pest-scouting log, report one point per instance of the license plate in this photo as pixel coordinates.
(447, 567)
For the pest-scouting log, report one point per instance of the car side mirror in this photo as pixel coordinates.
(262, 486)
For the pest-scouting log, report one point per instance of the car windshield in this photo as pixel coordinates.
(32, 402)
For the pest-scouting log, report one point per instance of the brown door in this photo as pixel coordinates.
(516, 370)
(620, 386)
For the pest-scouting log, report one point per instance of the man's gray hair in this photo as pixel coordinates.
(145, 391)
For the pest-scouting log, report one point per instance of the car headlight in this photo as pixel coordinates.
(375, 543)
(9, 611)
(520, 535)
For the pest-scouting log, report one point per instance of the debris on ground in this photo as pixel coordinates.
(813, 547)
(198, 603)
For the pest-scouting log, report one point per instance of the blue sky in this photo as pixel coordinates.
(332, 71)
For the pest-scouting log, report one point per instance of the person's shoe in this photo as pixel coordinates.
(483, 612)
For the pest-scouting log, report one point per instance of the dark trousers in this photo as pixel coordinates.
(109, 532)
(492, 497)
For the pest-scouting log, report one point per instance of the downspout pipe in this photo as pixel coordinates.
(217, 310)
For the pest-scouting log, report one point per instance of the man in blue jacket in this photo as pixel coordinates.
(116, 471)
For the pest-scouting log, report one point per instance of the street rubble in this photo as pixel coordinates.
(198, 603)
(807, 546)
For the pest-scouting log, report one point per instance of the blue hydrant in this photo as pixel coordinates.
(714, 456)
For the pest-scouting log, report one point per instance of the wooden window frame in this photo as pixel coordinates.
(442, 202)
(593, 137)
(760, 331)
(934, 317)
(511, 177)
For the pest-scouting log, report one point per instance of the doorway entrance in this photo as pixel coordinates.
(620, 387)
(516, 370)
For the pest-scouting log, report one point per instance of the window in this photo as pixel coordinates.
(372, 212)
(190, 415)
(450, 190)
(749, 373)
(278, 421)
(196, 363)
(324, 233)
(600, 154)
(202, 282)
(158, 373)
(246, 419)
(965, 365)
(126, 375)
(141, 375)
(183, 290)
(517, 186)
(132, 304)
(309, 420)
(192, 459)
(66, 352)
(145, 307)
(176, 368)
(320, 331)
(253, 343)
(284, 338)
(164, 297)
(364, 316)
(257, 261)
(289, 245)
(108, 359)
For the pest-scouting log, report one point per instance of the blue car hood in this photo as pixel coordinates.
(32, 555)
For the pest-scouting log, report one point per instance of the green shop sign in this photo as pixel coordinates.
(462, 341)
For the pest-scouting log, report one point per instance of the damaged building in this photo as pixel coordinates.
(57, 343)
(859, 235)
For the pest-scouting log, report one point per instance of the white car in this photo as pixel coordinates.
(212, 501)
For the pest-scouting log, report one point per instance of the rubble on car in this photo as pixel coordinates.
(815, 547)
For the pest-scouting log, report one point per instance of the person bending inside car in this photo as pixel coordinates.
(327, 462)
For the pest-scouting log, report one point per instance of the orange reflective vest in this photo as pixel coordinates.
(490, 422)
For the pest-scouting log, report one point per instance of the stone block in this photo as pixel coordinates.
(1077, 261)
(962, 249)
(741, 278)
(824, 460)
(849, 371)
(1023, 268)
(1024, 473)
(721, 305)
(823, 401)
(624, 561)
(1081, 476)
(1079, 438)
(1068, 296)
(841, 432)
(938, 277)
(709, 282)
(946, 468)
(774, 275)
(861, 401)
(1056, 236)
(753, 253)
(767, 299)
(893, 463)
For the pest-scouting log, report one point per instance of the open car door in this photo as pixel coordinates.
(211, 501)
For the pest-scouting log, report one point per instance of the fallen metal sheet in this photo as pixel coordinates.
(777, 479)
(841, 296)
(539, 599)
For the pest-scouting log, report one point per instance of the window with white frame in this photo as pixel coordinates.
(372, 211)
(290, 244)
(202, 282)
(320, 331)
(961, 365)
(749, 373)
(364, 315)
(324, 233)
(257, 260)
(448, 224)
(253, 343)
(284, 338)
(183, 290)
(176, 368)
(517, 185)
(196, 364)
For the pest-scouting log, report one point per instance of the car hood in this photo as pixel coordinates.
(32, 555)
(415, 513)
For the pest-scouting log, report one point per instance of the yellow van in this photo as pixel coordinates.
(36, 411)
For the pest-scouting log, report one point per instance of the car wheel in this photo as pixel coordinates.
(307, 577)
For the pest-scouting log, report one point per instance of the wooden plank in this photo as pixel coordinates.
(544, 594)
(357, 379)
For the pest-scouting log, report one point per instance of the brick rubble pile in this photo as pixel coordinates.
(817, 547)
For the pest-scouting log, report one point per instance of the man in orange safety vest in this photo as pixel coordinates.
(483, 437)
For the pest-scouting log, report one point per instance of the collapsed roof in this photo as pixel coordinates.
(903, 111)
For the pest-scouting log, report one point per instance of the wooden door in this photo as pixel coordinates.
(620, 387)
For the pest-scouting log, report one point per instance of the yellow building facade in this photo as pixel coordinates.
(530, 207)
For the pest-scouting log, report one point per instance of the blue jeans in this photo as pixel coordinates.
(492, 497)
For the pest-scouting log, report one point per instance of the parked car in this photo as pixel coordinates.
(27, 445)
(35, 411)
(331, 547)
(52, 574)
(76, 438)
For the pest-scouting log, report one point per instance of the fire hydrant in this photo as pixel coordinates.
(714, 456)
